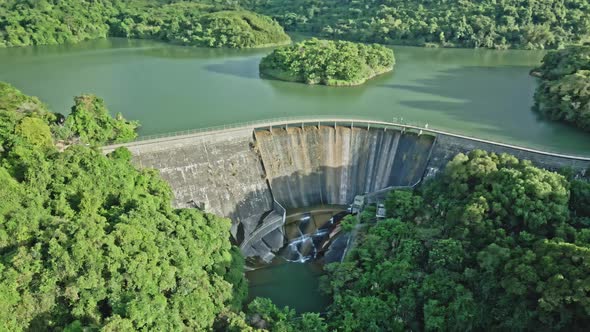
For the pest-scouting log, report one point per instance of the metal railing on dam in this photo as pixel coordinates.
(303, 121)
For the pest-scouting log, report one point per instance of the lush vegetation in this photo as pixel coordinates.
(89, 121)
(89, 242)
(493, 243)
(57, 22)
(263, 315)
(201, 25)
(486, 23)
(25, 23)
(328, 62)
(564, 91)
(12, 101)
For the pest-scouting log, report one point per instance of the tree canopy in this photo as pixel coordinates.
(87, 241)
(264, 314)
(486, 23)
(200, 25)
(326, 62)
(91, 121)
(564, 91)
(185, 23)
(524, 24)
(493, 243)
(13, 100)
(24, 23)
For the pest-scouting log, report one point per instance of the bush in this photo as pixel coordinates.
(495, 235)
(90, 120)
(348, 223)
(35, 131)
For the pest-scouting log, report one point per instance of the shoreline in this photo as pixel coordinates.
(280, 76)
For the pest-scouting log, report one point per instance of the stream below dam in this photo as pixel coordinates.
(481, 93)
(292, 279)
(291, 284)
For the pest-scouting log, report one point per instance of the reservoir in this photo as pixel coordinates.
(481, 93)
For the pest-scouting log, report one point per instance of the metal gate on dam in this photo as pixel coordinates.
(252, 173)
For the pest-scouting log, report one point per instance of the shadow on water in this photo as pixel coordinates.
(466, 57)
(149, 48)
(244, 68)
(467, 90)
(168, 51)
(317, 92)
(461, 94)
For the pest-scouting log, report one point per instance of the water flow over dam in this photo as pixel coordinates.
(313, 165)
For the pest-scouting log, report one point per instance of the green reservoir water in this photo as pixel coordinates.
(289, 284)
(482, 93)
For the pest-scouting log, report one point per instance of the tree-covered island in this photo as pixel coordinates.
(335, 63)
(564, 91)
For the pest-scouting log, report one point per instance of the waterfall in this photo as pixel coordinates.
(305, 247)
(306, 239)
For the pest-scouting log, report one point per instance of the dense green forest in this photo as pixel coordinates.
(564, 91)
(88, 241)
(326, 62)
(488, 23)
(201, 25)
(453, 23)
(493, 243)
(56, 22)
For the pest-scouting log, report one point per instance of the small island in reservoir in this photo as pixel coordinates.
(334, 63)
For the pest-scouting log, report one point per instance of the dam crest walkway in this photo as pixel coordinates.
(287, 122)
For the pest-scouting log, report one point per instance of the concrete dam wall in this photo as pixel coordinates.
(220, 173)
(313, 165)
(448, 146)
(249, 174)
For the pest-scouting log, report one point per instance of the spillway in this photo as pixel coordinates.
(330, 165)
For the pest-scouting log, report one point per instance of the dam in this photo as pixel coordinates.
(253, 173)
